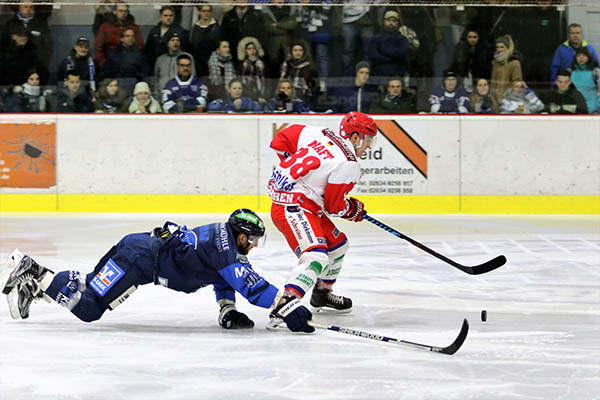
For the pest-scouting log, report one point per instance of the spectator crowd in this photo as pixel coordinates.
(304, 57)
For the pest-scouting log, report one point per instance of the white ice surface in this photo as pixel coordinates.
(541, 339)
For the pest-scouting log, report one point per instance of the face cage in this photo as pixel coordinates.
(258, 241)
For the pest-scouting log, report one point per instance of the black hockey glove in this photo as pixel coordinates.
(230, 318)
(295, 315)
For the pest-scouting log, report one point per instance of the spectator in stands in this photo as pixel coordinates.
(314, 24)
(285, 100)
(28, 97)
(104, 13)
(520, 100)
(449, 98)
(72, 97)
(19, 56)
(506, 66)
(563, 56)
(156, 43)
(126, 62)
(80, 60)
(565, 98)
(110, 98)
(250, 53)
(482, 99)
(221, 70)
(110, 33)
(300, 69)
(36, 27)
(396, 100)
(388, 50)
(165, 67)
(241, 21)
(143, 102)
(358, 95)
(585, 75)
(471, 59)
(185, 92)
(279, 24)
(206, 36)
(234, 101)
(358, 22)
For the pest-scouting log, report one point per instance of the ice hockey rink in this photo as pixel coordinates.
(541, 339)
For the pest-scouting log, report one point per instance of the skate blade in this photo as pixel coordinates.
(11, 264)
(329, 310)
(13, 303)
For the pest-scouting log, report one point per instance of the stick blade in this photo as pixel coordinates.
(486, 266)
(458, 342)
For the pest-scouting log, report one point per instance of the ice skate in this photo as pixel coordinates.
(22, 285)
(323, 300)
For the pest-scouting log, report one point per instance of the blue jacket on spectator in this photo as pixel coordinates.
(126, 62)
(184, 96)
(563, 57)
(354, 98)
(278, 105)
(444, 102)
(387, 54)
(226, 105)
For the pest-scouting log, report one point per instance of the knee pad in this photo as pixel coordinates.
(304, 276)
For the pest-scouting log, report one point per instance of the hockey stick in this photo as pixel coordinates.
(472, 270)
(451, 349)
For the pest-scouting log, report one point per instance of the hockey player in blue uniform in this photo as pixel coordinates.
(173, 256)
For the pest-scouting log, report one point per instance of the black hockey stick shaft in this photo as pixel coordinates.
(472, 270)
(451, 349)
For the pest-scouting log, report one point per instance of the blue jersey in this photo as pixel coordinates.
(184, 96)
(189, 259)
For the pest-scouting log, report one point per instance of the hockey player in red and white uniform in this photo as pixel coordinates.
(317, 170)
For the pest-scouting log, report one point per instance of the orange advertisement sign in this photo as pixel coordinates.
(28, 155)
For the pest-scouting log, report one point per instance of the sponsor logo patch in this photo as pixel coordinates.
(107, 277)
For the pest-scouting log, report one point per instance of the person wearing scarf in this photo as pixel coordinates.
(299, 68)
(110, 98)
(250, 53)
(79, 59)
(221, 69)
(28, 97)
(506, 66)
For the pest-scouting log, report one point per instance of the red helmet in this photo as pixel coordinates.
(357, 122)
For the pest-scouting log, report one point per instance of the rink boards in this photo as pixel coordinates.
(213, 163)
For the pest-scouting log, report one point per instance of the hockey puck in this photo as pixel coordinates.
(483, 315)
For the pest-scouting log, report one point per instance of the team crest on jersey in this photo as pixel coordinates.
(107, 277)
(190, 238)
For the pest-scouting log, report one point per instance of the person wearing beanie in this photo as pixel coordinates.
(165, 67)
(563, 56)
(160, 34)
(449, 98)
(506, 66)
(142, 102)
(358, 95)
(388, 50)
(80, 60)
(585, 75)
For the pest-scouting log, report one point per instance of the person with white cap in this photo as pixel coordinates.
(143, 102)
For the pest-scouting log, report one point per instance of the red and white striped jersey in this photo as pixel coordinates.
(317, 169)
